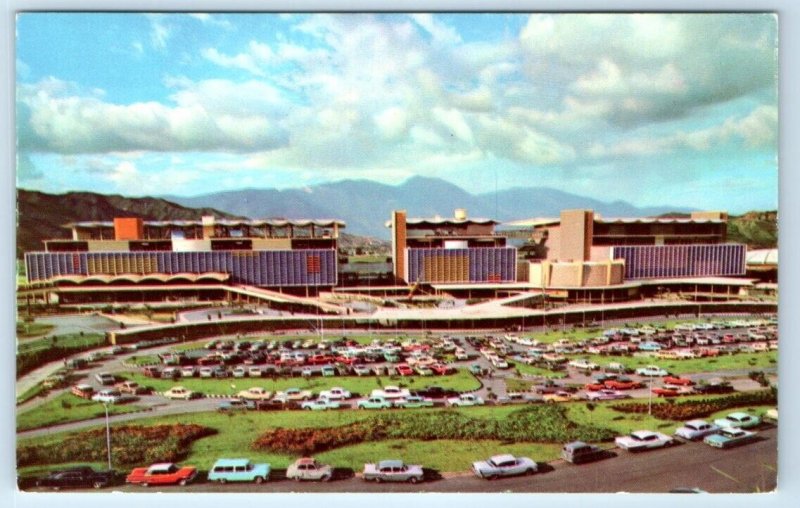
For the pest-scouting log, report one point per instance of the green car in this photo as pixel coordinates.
(374, 403)
(391, 357)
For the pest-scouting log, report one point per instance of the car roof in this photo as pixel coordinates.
(642, 433)
(390, 463)
(696, 422)
(575, 445)
(231, 462)
(306, 460)
(506, 457)
(161, 465)
(738, 414)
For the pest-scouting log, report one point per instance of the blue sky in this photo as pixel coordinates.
(653, 109)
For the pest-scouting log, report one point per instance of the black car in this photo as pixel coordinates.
(436, 392)
(77, 477)
(713, 388)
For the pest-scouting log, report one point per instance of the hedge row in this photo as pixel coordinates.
(130, 445)
(537, 423)
(689, 409)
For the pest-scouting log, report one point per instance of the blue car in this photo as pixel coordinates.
(238, 470)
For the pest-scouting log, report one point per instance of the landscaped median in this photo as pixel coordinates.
(461, 381)
(68, 408)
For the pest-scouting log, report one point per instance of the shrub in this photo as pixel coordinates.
(547, 424)
(130, 445)
(690, 409)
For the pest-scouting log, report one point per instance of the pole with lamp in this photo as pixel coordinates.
(108, 436)
(650, 398)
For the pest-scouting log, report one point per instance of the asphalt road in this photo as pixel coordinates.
(746, 469)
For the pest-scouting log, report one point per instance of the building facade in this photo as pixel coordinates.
(264, 253)
(450, 250)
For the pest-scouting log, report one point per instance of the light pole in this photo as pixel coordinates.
(650, 399)
(108, 436)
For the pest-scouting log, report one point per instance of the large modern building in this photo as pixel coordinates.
(450, 250)
(582, 249)
(273, 253)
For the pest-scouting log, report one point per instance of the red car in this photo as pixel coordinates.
(679, 381)
(404, 369)
(441, 369)
(321, 360)
(165, 473)
(665, 392)
(616, 384)
(593, 387)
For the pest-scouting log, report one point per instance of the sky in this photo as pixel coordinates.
(652, 109)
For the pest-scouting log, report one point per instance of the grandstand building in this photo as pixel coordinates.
(274, 254)
(450, 250)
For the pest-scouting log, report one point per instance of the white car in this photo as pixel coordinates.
(652, 371)
(464, 400)
(391, 392)
(112, 396)
(582, 364)
(335, 394)
(643, 440)
(254, 393)
(696, 429)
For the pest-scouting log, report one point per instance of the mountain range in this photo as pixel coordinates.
(366, 205)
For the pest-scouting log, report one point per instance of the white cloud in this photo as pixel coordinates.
(758, 129)
(441, 33)
(160, 31)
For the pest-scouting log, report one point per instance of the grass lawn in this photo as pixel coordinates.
(30, 393)
(67, 408)
(745, 361)
(65, 341)
(143, 360)
(444, 455)
(27, 330)
(461, 380)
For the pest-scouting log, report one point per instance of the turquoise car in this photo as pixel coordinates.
(374, 403)
(238, 470)
(321, 404)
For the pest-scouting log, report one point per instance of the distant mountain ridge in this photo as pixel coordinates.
(366, 205)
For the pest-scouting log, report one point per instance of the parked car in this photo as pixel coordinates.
(738, 420)
(104, 378)
(465, 400)
(254, 393)
(83, 391)
(393, 471)
(133, 388)
(583, 364)
(165, 473)
(729, 437)
(606, 395)
(617, 368)
(504, 465)
(307, 468)
(320, 404)
(179, 392)
(294, 394)
(76, 477)
(361, 370)
(435, 392)
(622, 384)
(578, 452)
(390, 392)
(696, 429)
(413, 401)
(335, 393)
(677, 381)
(651, 371)
(236, 405)
(238, 470)
(713, 388)
(558, 396)
(112, 396)
(643, 440)
(771, 415)
(374, 403)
